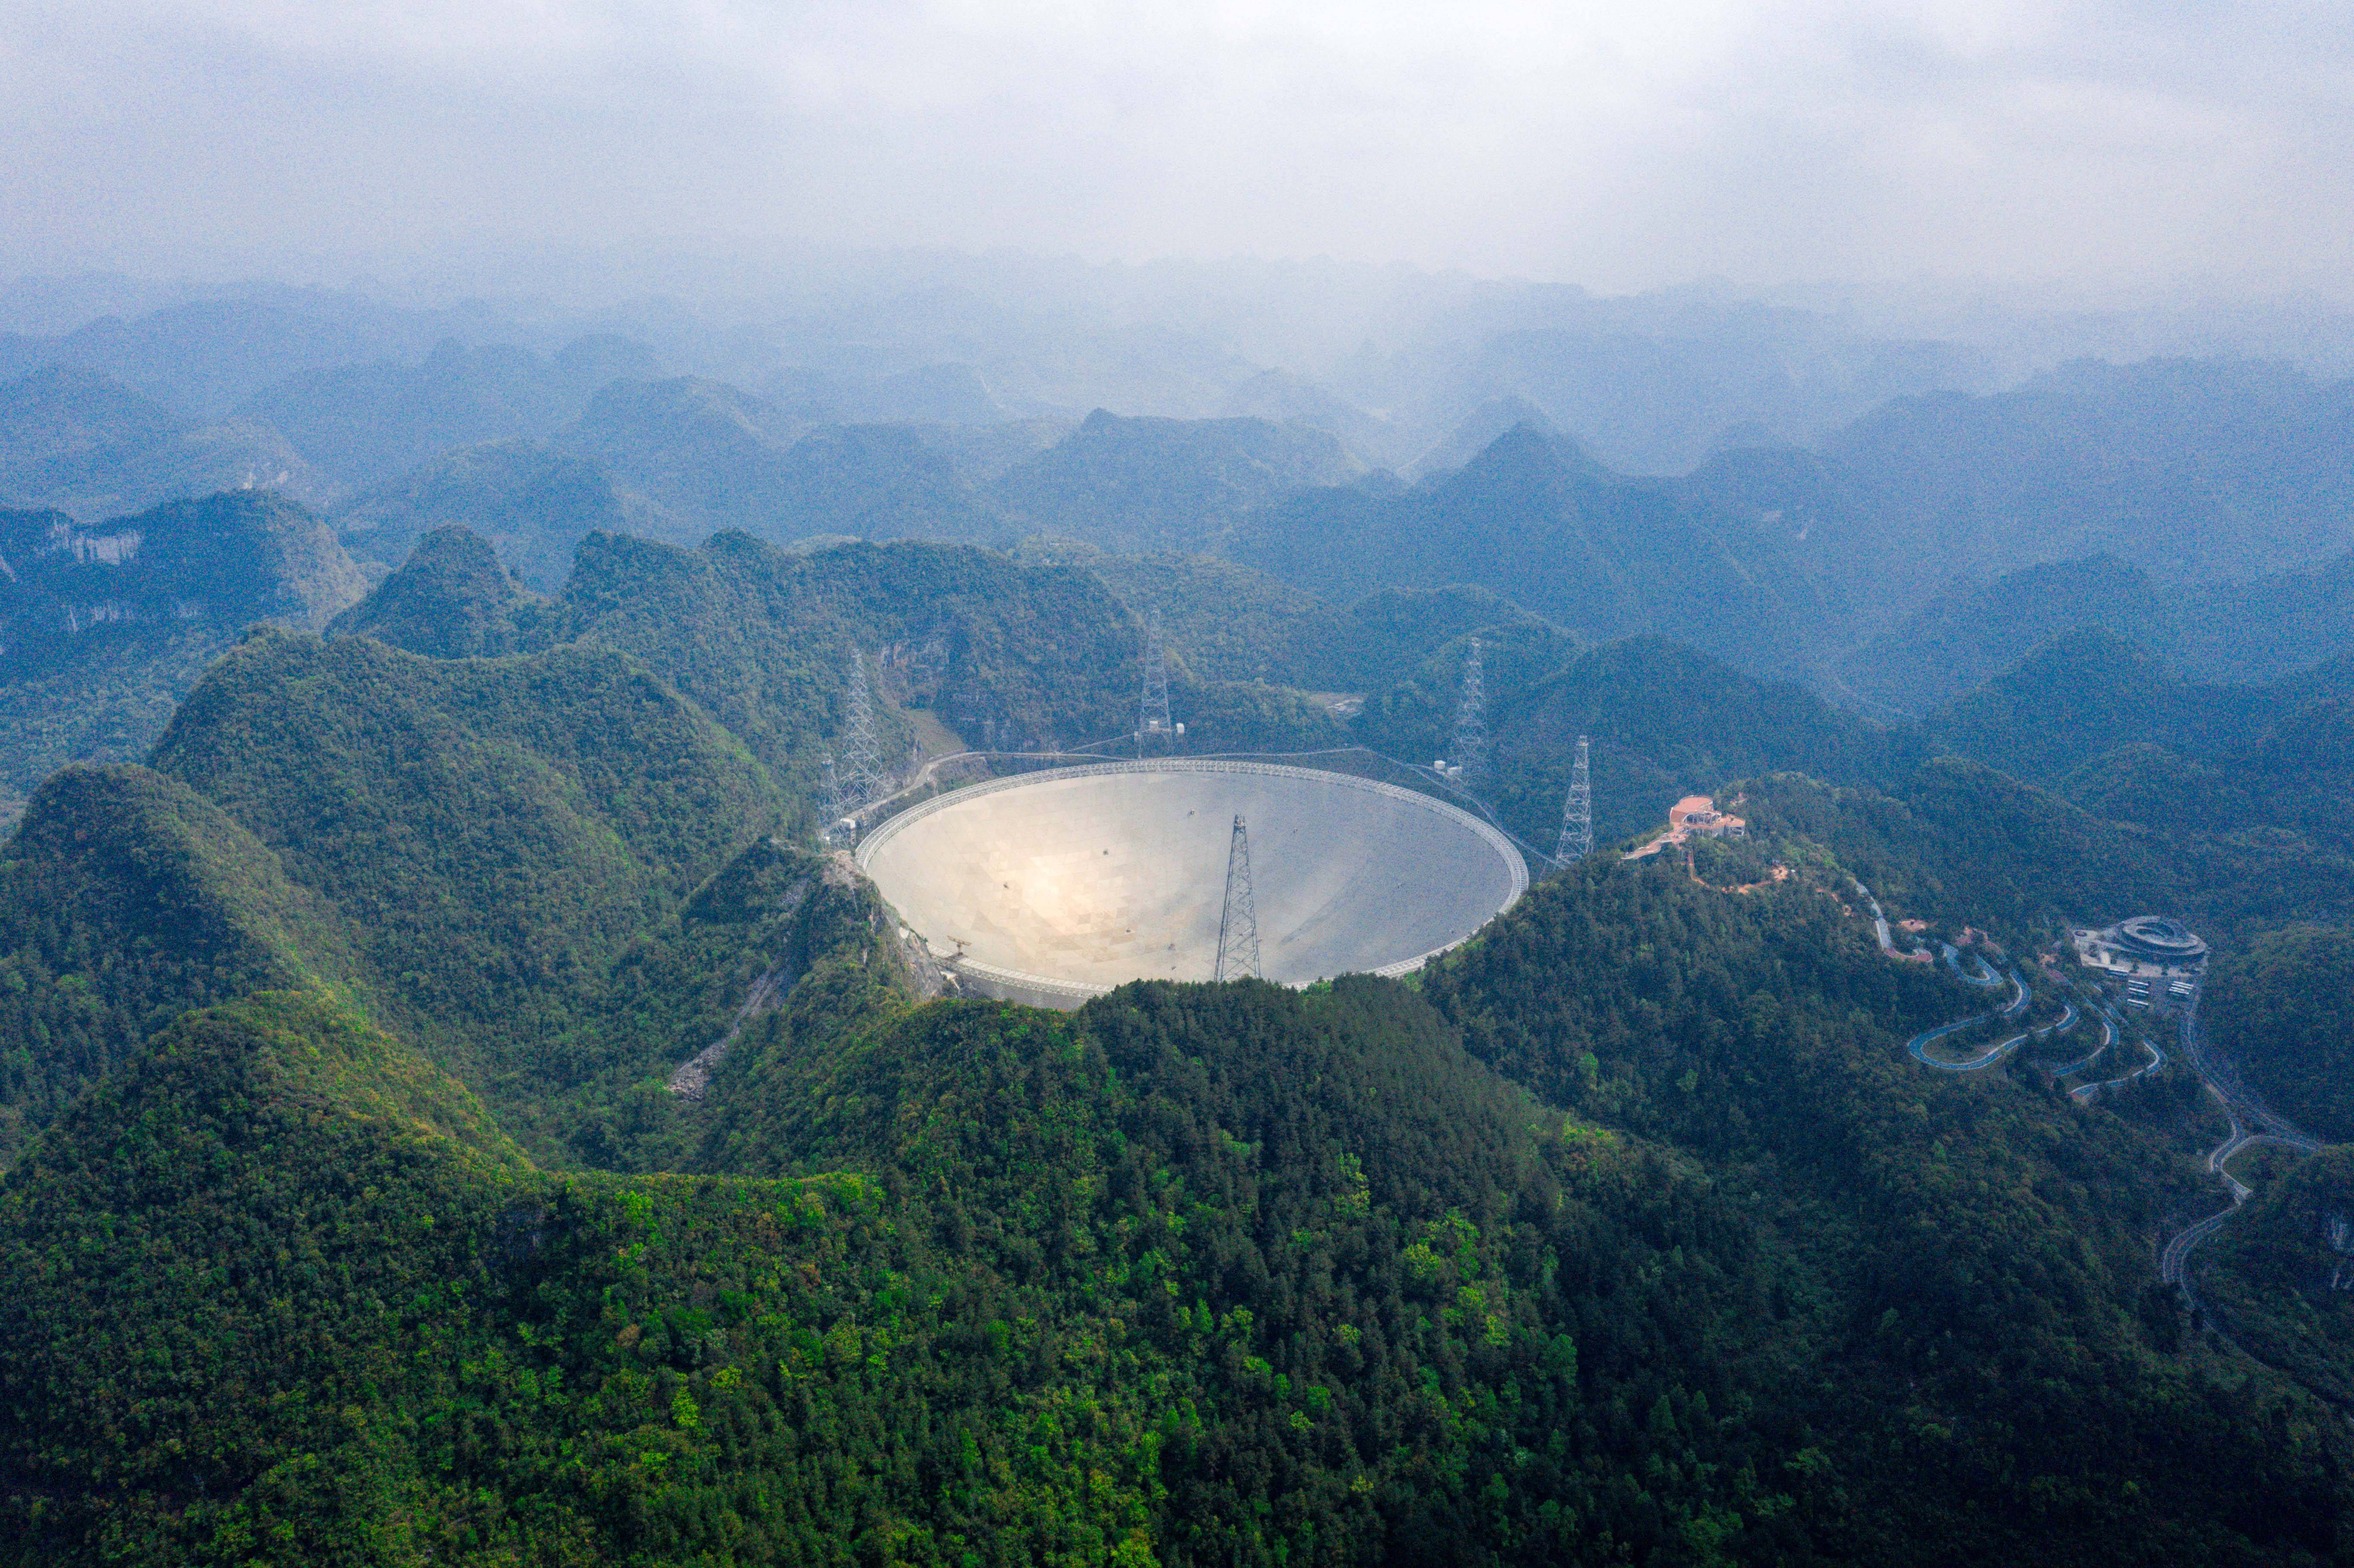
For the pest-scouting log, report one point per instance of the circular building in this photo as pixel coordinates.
(1052, 887)
(2155, 938)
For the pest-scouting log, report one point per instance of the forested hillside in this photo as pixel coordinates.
(1757, 1030)
(450, 599)
(2278, 1280)
(2238, 788)
(1222, 620)
(74, 440)
(103, 629)
(1007, 655)
(2284, 1008)
(2240, 632)
(533, 504)
(1664, 721)
(457, 1106)
(473, 845)
(1197, 1273)
(1144, 1367)
(1541, 525)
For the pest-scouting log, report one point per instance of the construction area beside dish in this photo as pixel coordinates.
(1694, 816)
(1052, 887)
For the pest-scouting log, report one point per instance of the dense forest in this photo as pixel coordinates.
(2284, 1009)
(1199, 1274)
(1631, 1234)
(458, 1104)
(105, 629)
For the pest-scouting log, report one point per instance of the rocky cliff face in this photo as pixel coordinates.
(228, 560)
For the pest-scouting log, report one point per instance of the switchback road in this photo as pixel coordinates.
(2251, 1122)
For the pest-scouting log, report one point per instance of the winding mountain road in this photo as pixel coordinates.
(2020, 997)
(2251, 1122)
(2157, 1060)
(2108, 1038)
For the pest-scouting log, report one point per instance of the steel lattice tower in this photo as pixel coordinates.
(1471, 718)
(1238, 925)
(862, 754)
(1577, 813)
(1152, 717)
(831, 801)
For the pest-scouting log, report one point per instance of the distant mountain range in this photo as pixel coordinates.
(454, 1105)
(204, 358)
(2234, 633)
(532, 501)
(2199, 506)
(366, 423)
(1535, 520)
(76, 442)
(2195, 470)
(1161, 484)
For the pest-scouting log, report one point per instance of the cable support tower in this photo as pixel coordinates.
(1152, 717)
(862, 778)
(1238, 925)
(1471, 719)
(1577, 813)
(831, 801)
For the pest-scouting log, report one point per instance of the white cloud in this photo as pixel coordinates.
(1614, 144)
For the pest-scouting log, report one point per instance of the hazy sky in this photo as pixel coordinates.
(1616, 145)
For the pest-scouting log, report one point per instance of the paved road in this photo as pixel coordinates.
(1987, 979)
(2012, 1009)
(1879, 919)
(2157, 1060)
(2224, 1079)
(2108, 1038)
(2252, 1122)
(2178, 1251)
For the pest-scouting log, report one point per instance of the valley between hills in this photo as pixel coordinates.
(462, 1101)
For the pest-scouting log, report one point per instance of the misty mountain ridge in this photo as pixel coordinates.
(229, 558)
(77, 440)
(928, 395)
(533, 504)
(2234, 632)
(2194, 471)
(1780, 557)
(1281, 397)
(1535, 520)
(1655, 403)
(366, 423)
(2092, 690)
(1481, 429)
(1144, 485)
(1318, 346)
(203, 357)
